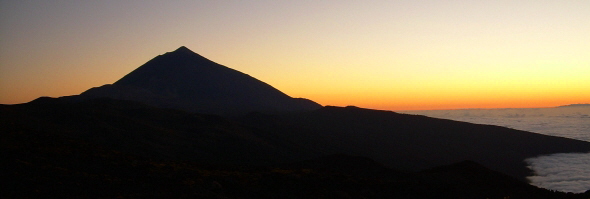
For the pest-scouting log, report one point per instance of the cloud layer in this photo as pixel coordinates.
(569, 172)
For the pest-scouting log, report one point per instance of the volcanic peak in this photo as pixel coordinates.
(183, 79)
(183, 49)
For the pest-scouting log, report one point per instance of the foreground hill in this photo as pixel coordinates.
(113, 148)
(413, 141)
(143, 130)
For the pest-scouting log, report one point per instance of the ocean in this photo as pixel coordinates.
(568, 172)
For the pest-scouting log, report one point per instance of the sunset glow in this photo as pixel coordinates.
(392, 55)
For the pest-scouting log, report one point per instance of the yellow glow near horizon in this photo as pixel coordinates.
(394, 55)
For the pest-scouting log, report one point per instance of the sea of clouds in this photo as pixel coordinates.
(567, 172)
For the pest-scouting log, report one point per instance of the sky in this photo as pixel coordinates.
(389, 55)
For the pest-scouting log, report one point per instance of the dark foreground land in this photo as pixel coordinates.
(103, 148)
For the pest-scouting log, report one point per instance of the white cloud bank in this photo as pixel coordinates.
(568, 172)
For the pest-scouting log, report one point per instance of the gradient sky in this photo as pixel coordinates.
(394, 55)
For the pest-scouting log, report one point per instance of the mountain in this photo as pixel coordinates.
(188, 81)
(183, 126)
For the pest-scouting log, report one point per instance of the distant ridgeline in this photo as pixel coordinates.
(574, 105)
(185, 80)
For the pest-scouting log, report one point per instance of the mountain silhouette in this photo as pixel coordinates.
(184, 126)
(185, 80)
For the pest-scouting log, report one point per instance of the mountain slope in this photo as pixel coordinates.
(55, 147)
(143, 130)
(104, 148)
(414, 142)
(185, 80)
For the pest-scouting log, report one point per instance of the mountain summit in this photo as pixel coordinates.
(183, 79)
(184, 49)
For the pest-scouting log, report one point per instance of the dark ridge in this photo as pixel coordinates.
(44, 100)
(105, 148)
(413, 142)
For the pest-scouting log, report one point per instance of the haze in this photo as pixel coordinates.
(393, 55)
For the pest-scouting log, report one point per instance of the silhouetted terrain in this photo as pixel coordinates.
(111, 148)
(413, 141)
(147, 131)
(185, 80)
(184, 126)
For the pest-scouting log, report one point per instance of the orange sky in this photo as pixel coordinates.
(394, 55)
